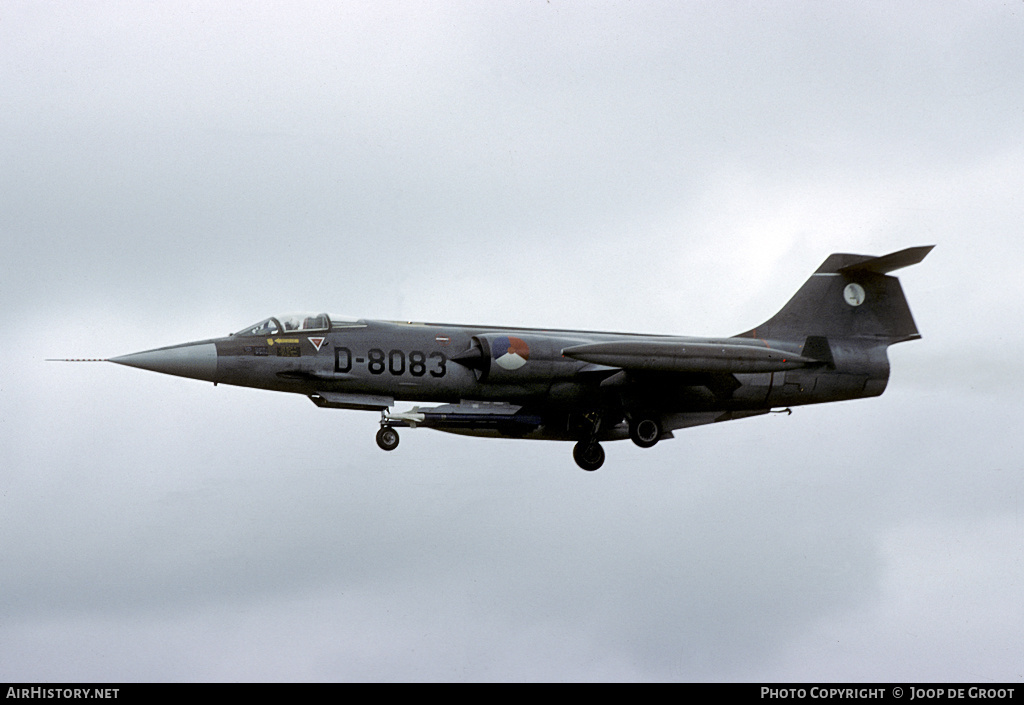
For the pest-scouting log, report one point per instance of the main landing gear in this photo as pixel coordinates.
(645, 432)
(588, 454)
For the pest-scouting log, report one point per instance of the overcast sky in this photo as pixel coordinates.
(176, 171)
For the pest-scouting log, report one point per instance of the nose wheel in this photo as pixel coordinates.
(387, 438)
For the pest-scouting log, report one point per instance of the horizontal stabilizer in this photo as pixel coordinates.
(664, 356)
(889, 263)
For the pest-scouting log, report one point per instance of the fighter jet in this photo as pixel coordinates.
(828, 343)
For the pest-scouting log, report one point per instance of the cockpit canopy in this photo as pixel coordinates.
(296, 322)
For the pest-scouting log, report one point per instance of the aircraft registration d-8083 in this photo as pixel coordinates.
(828, 343)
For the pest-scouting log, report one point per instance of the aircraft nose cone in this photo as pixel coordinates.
(195, 360)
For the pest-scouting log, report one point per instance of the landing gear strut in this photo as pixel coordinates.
(589, 455)
(387, 438)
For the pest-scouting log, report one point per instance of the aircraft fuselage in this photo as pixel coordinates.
(827, 344)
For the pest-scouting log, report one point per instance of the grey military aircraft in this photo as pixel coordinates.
(828, 343)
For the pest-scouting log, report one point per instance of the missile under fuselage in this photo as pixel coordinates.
(666, 356)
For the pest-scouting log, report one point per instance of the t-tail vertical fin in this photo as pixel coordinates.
(849, 296)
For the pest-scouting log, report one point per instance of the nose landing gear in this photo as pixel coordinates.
(387, 438)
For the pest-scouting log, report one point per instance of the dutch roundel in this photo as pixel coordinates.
(510, 353)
